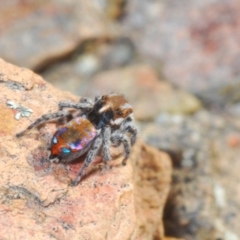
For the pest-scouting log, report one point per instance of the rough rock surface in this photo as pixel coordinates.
(94, 56)
(196, 42)
(203, 202)
(36, 201)
(34, 33)
(150, 192)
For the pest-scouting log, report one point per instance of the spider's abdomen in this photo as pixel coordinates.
(75, 136)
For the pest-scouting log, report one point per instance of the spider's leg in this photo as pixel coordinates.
(86, 100)
(44, 118)
(117, 138)
(84, 104)
(89, 159)
(106, 144)
(129, 127)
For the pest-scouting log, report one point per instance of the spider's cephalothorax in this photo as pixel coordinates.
(106, 122)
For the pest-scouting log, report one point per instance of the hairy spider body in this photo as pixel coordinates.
(106, 122)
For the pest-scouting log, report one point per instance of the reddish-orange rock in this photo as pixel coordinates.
(36, 199)
(170, 238)
(151, 177)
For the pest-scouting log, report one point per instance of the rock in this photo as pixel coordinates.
(36, 199)
(115, 9)
(203, 201)
(64, 76)
(143, 88)
(150, 176)
(226, 178)
(36, 33)
(189, 212)
(170, 238)
(195, 42)
(93, 57)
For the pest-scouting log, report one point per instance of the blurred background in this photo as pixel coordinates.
(178, 63)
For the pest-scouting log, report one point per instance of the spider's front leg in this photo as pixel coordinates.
(127, 135)
(130, 128)
(85, 104)
(117, 138)
(44, 118)
(106, 133)
(89, 159)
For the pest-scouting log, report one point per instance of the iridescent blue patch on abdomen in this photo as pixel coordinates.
(54, 140)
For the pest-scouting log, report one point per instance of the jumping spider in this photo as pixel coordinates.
(108, 121)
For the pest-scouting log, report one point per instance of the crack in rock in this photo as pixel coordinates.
(15, 85)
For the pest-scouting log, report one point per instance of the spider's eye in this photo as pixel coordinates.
(119, 113)
(66, 150)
